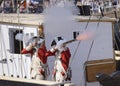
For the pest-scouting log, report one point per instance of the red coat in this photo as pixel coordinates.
(24, 51)
(65, 57)
(41, 53)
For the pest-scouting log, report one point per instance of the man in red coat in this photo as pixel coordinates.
(39, 66)
(62, 56)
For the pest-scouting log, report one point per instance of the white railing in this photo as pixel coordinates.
(22, 81)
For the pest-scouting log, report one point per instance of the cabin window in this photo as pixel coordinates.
(15, 45)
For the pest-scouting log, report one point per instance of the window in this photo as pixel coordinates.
(15, 45)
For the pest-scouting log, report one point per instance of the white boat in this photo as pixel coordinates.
(90, 56)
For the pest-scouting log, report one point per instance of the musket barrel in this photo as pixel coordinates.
(70, 41)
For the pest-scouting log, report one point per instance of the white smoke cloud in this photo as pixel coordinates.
(59, 19)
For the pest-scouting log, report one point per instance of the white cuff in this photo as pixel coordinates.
(28, 48)
(52, 50)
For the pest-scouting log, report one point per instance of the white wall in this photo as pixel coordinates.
(17, 64)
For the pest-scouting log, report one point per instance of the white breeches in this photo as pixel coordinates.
(40, 77)
(36, 75)
(59, 69)
(36, 67)
(59, 77)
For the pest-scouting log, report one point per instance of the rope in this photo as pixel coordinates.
(79, 41)
(90, 51)
(22, 65)
(91, 48)
(21, 60)
(84, 66)
(20, 47)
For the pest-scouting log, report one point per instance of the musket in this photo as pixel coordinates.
(70, 41)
